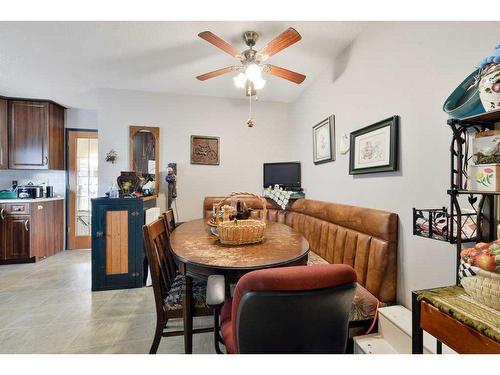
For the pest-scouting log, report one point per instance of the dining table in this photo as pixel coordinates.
(199, 254)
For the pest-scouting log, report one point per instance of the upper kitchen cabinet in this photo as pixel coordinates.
(4, 151)
(36, 135)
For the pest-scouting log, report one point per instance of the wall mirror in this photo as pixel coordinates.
(144, 157)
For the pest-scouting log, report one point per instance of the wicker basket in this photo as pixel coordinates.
(484, 288)
(240, 232)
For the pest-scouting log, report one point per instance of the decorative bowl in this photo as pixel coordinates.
(464, 101)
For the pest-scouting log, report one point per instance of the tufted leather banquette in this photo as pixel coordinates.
(363, 238)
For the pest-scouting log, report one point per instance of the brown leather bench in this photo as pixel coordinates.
(363, 238)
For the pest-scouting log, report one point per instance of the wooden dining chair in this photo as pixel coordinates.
(168, 282)
(169, 218)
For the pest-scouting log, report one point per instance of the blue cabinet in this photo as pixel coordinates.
(117, 246)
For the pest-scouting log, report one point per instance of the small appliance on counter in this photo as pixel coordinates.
(49, 191)
(29, 191)
(7, 194)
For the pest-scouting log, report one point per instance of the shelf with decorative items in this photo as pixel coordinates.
(475, 175)
(474, 110)
(435, 223)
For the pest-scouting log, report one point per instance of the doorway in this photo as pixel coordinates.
(82, 157)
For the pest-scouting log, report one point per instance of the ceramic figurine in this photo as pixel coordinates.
(172, 182)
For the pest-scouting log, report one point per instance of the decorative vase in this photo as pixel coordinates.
(489, 87)
(128, 183)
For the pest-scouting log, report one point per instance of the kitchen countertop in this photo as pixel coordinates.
(37, 200)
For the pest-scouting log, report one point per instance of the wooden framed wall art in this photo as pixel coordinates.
(205, 150)
(324, 141)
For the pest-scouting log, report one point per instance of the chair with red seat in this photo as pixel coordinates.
(303, 309)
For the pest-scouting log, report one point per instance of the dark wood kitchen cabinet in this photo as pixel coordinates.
(30, 231)
(36, 135)
(4, 134)
(17, 236)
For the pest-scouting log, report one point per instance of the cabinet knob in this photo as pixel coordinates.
(135, 213)
(1, 214)
(99, 234)
(26, 225)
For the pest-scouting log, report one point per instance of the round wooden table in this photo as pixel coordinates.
(200, 254)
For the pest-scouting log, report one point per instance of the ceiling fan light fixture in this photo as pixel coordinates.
(253, 72)
(240, 80)
(259, 83)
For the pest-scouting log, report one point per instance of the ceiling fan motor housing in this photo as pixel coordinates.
(250, 38)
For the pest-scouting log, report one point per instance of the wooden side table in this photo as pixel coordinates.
(460, 337)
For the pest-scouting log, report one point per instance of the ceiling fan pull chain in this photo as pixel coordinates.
(250, 120)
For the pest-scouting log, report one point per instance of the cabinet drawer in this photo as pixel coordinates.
(17, 208)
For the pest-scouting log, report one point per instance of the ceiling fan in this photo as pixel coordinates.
(252, 67)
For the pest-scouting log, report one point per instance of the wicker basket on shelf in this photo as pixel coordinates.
(241, 232)
(484, 288)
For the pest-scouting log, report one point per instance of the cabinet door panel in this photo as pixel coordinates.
(4, 151)
(117, 249)
(28, 146)
(117, 242)
(3, 254)
(17, 236)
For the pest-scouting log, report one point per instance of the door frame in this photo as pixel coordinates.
(66, 168)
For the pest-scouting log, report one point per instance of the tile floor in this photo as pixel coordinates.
(47, 307)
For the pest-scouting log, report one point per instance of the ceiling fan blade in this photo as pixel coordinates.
(282, 41)
(218, 42)
(218, 72)
(284, 73)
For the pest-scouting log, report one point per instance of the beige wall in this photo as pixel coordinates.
(405, 69)
(243, 150)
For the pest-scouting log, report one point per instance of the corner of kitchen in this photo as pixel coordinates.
(32, 179)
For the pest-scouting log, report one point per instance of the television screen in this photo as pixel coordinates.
(284, 174)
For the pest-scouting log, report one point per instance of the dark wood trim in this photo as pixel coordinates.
(4, 134)
(32, 100)
(393, 123)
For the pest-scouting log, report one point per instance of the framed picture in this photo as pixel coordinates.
(205, 150)
(375, 148)
(324, 141)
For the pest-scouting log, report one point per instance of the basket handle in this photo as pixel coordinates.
(241, 194)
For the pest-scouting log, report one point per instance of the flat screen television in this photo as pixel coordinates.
(286, 175)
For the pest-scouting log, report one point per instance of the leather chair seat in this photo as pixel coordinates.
(173, 301)
(226, 326)
(280, 280)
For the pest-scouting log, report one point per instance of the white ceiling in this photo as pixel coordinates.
(68, 61)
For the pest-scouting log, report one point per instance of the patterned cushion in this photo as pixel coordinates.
(364, 304)
(314, 258)
(174, 298)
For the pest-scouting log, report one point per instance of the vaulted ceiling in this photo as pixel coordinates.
(68, 61)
